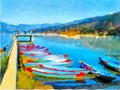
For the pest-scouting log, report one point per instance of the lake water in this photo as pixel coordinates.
(6, 39)
(83, 48)
(87, 49)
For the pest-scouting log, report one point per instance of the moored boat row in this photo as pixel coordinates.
(49, 65)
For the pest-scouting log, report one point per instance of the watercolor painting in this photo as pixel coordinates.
(60, 44)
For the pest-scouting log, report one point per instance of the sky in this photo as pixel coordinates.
(54, 11)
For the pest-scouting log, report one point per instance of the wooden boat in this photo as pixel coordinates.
(43, 60)
(80, 75)
(72, 83)
(101, 75)
(56, 59)
(34, 63)
(31, 47)
(28, 49)
(57, 72)
(35, 53)
(48, 55)
(52, 58)
(57, 56)
(35, 50)
(63, 69)
(37, 61)
(113, 65)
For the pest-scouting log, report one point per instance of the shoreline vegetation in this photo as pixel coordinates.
(3, 67)
(4, 61)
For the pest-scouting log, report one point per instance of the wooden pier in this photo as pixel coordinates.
(9, 80)
(30, 36)
(10, 76)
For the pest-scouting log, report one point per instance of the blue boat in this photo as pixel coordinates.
(100, 74)
(65, 84)
(112, 65)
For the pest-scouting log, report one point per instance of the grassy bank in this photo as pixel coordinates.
(3, 66)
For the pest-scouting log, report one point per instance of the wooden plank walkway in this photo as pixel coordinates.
(10, 77)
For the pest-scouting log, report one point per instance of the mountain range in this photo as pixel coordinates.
(10, 28)
(100, 23)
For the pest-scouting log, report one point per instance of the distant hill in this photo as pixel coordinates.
(108, 24)
(9, 28)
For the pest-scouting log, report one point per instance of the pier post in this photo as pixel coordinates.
(31, 38)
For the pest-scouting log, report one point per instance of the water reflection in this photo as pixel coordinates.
(108, 45)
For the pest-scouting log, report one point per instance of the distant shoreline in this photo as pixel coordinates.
(74, 36)
(78, 36)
